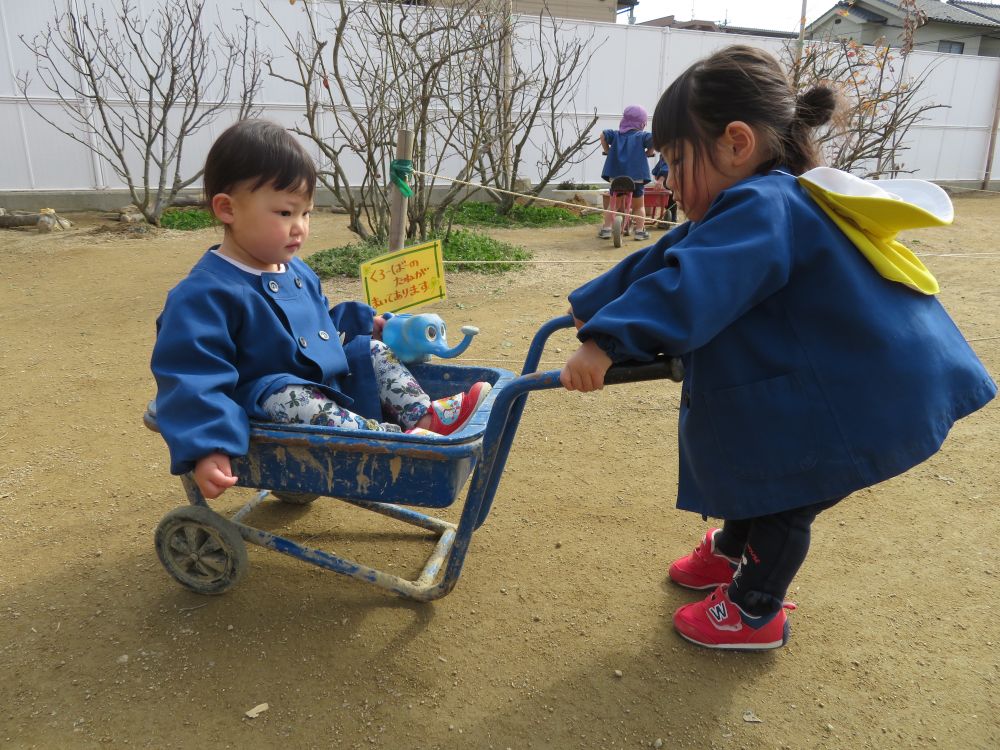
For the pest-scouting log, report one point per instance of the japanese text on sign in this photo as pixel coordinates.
(404, 279)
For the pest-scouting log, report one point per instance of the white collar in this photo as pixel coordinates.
(244, 267)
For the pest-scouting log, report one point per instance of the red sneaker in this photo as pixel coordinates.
(704, 568)
(450, 414)
(716, 622)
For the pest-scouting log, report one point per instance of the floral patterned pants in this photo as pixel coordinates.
(403, 400)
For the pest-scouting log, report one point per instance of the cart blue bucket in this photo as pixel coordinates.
(387, 473)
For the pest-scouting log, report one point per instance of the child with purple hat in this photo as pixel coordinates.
(628, 150)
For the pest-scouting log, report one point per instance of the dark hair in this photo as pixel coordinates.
(747, 84)
(261, 151)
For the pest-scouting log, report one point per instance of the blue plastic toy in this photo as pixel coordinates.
(414, 338)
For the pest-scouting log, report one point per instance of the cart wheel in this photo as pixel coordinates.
(616, 231)
(294, 498)
(201, 550)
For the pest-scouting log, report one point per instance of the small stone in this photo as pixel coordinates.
(256, 711)
(657, 743)
(123, 659)
(619, 674)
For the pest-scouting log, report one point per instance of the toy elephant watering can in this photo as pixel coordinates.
(414, 338)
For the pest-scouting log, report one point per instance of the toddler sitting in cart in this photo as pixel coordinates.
(248, 334)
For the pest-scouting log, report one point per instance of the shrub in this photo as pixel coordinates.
(187, 219)
(472, 213)
(569, 185)
(465, 245)
(460, 245)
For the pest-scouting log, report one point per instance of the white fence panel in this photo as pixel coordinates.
(630, 65)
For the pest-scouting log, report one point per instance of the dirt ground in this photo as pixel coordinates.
(558, 634)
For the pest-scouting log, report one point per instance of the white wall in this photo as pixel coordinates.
(631, 65)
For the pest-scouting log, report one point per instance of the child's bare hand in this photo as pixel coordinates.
(377, 325)
(214, 475)
(585, 369)
(576, 321)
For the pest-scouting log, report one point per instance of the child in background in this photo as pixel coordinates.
(659, 172)
(249, 335)
(628, 150)
(818, 360)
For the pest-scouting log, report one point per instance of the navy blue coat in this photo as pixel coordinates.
(627, 155)
(808, 375)
(227, 339)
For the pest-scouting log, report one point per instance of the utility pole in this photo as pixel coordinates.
(802, 33)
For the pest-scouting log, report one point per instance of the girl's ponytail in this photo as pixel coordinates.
(813, 108)
(816, 106)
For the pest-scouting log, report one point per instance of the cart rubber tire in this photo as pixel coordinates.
(616, 231)
(202, 550)
(294, 498)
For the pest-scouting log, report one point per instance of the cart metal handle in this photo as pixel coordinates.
(506, 412)
(660, 368)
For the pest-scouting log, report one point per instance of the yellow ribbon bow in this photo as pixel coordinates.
(872, 213)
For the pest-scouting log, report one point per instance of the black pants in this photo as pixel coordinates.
(772, 549)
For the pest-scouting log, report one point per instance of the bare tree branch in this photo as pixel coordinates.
(368, 69)
(882, 103)
(136, 86)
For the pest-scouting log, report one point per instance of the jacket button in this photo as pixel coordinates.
(324, 335)
(298, 283)
(302, 342)
(272, 285)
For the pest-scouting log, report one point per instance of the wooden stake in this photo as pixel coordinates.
(397, 217)
(988, 174)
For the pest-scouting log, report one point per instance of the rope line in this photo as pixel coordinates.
(526, 262)
(615, 260)
(553, 201)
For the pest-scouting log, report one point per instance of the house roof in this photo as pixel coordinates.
(752, 31)
(935, 11)
(953, 11)
(702, 25)
(863, 13)
(989, 11)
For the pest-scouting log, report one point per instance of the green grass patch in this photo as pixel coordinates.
(461, 245)
(473, 213)
(187, 219)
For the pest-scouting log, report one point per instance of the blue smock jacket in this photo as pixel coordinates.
(227, 339)
(808, 375)
(627, 155)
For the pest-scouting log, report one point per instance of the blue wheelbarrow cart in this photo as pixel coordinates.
(381, 472)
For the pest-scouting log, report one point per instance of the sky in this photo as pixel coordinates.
(780, 15)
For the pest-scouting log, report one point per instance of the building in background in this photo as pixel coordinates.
(605, 11)
(955, 27)
(671, 22)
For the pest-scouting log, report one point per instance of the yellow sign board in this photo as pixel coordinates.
(405, 278)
